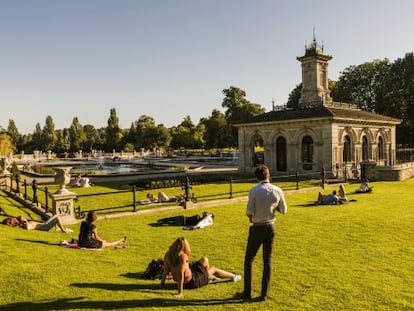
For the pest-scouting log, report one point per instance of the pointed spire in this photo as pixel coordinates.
(314, 36)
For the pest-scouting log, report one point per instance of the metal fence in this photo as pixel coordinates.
(404, 155)
(189, 188)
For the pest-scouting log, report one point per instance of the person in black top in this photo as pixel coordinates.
(88, 235)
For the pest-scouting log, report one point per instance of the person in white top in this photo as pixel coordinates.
(264, 200)
(206, 220)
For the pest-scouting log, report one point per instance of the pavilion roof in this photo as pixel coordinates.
(330, 112)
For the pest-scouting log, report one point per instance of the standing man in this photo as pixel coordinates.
(264, 200)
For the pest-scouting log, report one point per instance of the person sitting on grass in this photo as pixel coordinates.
(364, 188)
(89, 237)
(328, 199)
(342, 193)
(24, 223)
(190, 275)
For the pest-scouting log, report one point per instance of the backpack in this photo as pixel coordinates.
(154, 269)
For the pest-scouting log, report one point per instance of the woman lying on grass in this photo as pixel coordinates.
(22, 222)
(89, 238)
(188, 274)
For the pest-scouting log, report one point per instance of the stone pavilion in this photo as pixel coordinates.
(320, 134)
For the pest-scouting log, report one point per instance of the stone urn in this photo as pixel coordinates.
(62, 178)
(3, 166)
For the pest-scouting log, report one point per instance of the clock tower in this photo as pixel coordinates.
(315, 91)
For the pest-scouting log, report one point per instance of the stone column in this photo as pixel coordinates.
(63, 198)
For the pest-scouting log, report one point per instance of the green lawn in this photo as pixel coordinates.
(356, 256)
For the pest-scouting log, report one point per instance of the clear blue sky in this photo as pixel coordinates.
(172, 58)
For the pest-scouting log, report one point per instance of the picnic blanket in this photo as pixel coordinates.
(72, 244)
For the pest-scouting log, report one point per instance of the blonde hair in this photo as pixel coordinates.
(180, 245)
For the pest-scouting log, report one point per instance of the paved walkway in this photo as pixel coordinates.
(199, 205)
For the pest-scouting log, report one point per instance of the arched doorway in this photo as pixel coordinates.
(281, 156)
(258, 150)
(307, 153)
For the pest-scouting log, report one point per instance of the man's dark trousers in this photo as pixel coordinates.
(259, 234)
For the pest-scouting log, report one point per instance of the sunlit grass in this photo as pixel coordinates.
(356, 256)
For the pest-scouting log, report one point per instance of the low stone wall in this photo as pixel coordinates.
(396, 172)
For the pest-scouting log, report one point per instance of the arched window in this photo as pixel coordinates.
(307, 152)
(258, 150)
(346, 155)
(281, 164)
(365, 148)
(381, 155)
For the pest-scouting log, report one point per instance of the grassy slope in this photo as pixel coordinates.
(357, 256)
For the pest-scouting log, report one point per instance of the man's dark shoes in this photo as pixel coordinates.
(243, 296)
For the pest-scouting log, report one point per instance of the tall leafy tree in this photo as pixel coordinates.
(91, 138)
(37, 138)
(26, 143)
(181, 134)
(14, 134)
(113, 131)
(48, 134)
(217, 134)
(163, 136)
(399, 97)
(101, 142)
(187, 135)
(362, 84)
(62, 145)
(238, 108)
(143, 135)
(294, 96)
(76, 134)
(6, 145)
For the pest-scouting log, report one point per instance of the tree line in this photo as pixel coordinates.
(379, 86)
(215, 131)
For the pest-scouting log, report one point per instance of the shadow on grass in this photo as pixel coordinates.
(134, 275)
(37, 241)
(126, 287)
(308, 205)
(79, 304)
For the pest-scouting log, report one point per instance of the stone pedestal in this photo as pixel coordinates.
(63, 198)
(63, 206)
(4, 177)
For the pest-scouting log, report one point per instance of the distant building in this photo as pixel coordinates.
(319, 134)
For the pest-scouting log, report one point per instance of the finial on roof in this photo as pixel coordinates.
(314, 35)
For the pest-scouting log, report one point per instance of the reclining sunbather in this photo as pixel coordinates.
(22, 222)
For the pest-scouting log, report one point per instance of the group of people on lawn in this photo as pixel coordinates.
(264, 200)
(340, 197)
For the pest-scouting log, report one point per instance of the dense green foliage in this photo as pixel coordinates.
(143, 134)
(356, 256)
